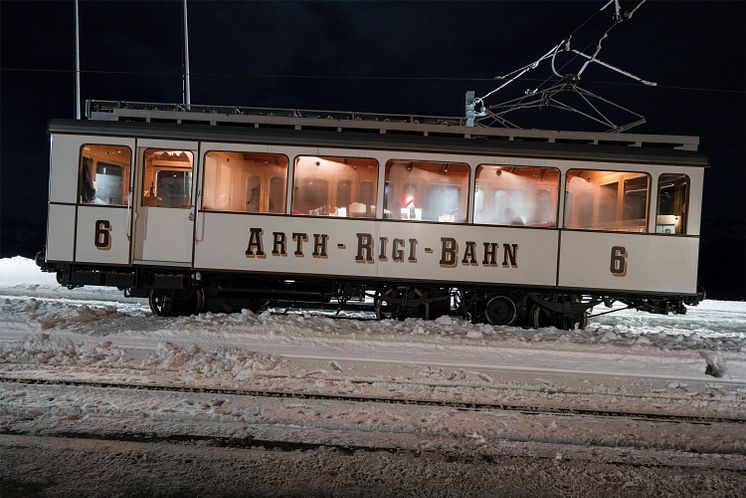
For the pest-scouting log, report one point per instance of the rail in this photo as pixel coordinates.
(393, 399)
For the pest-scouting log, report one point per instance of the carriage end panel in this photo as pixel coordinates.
(629, 262)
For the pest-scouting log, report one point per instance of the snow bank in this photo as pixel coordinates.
(23, 272)
(49, 350)
(20, 276)
(231, 362)
(713, 325)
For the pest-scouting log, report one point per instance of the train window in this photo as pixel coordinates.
(426, 190)
(332, 186)
(174, 188)
(368, 194)
(311, 196)
(167, 178)
(516, 195)
(606, 200)
(104, 174)
(253, 193)
(673, 197)
(344, 191)
(635, 203)
(249, 182)
(277, 194)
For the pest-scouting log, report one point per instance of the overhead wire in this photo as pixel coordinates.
(344, 77)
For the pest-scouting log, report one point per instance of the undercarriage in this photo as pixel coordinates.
(174, 292)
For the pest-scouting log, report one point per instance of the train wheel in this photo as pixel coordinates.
(162, 302)
(172, 303)
(439, 308)
(194, 302)
(583, 322)
(501, 310)
(385, 309)
(537, 317)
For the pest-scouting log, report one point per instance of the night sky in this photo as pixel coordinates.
(408, 57)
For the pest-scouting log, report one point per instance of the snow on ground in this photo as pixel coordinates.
(96, 333)
(626, 361)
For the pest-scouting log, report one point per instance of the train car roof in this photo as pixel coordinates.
(378, 132)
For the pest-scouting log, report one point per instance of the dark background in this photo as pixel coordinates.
(396, 57)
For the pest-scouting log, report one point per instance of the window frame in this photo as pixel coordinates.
(558, 191)
(685, 222)
(368, 216)
(159, 169)
(646, 174)
(283, 210)
(425, 185)
(130, 181)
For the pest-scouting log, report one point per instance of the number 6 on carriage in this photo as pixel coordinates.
(225, 208)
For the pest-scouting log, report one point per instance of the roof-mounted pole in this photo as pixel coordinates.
(187, 90)
(470, 108)
(77, 63)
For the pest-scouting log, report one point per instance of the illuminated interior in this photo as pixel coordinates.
(248, 182)
(167, 178)
(516, 195)
(606, 200)
(673, 197)
(256, 182)
(426, 191)
(335, 186)
(104, 174)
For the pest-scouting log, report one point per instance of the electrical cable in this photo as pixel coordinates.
(343, 77)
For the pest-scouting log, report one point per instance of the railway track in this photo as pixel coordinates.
(460, 405)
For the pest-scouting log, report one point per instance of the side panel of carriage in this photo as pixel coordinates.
(658, 256)
(120, 201)
(377, 249)
(90, 199)
(629, 262)
(604, 258)
(361, 248)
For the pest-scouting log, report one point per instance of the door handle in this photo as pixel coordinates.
(191, 216)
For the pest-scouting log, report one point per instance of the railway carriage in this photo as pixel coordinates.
(223, 208)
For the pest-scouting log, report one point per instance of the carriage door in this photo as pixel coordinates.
(164, 209)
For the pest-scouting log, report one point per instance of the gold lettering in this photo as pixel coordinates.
(255, 243)
(299, 239)
(279, 244)
(449, 249)
(510, 253)
(364, 245)
(319, 245)
(397, 252)
(490, 254)
(470, 254)
(412, 251)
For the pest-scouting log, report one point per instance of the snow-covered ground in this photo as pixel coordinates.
(624, 362)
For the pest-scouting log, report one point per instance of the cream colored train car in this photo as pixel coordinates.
(213, 208)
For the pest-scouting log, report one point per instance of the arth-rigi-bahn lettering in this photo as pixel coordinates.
(255, 248)
(449, 254)
(397, 250)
